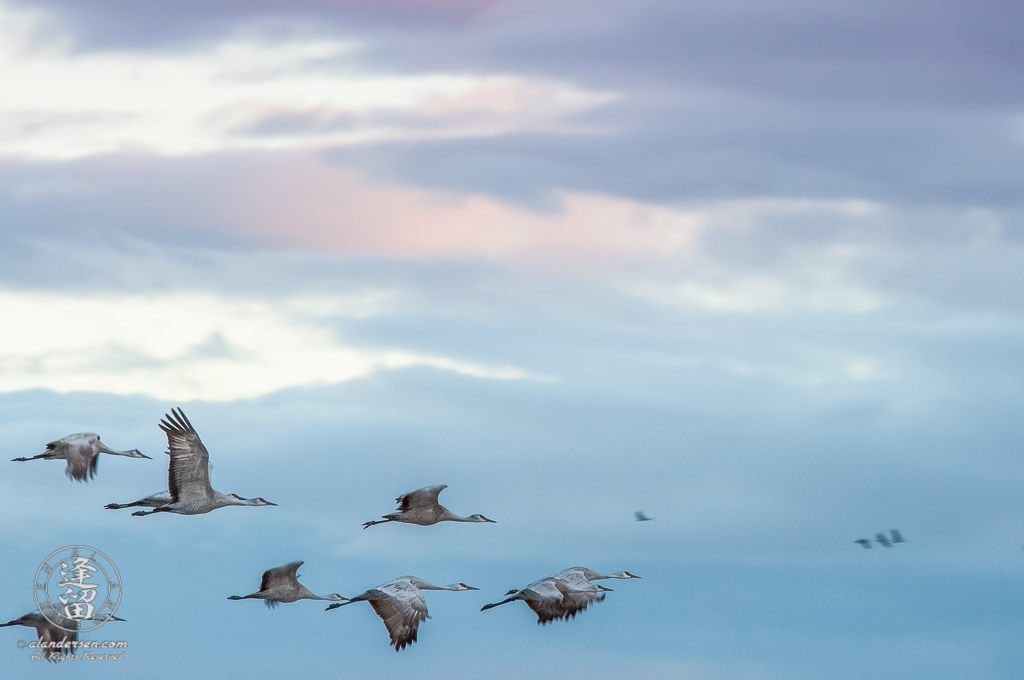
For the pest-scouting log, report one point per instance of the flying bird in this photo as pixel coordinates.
(188, 475)
(155, 500)
(281, 584)
(56, 630)
(563, 594)
(401, 605)
(641, 517)
(865, 542)
(82, 452)
(421, 507)
(896, 537)
(552, 599)
(883, 539)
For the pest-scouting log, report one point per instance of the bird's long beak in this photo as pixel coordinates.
(606, 590)
(140, 454)
(471, 588)
(269, 503)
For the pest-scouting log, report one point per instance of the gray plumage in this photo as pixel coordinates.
(188, 474)
(641, 517)
(865, 542)
(401, 606)
(421, 507)
(82, 453)
(58, 632)
(281, 584)
(563, 594)
(897, 537)
(883, 539)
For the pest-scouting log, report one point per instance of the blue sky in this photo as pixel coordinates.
(754, 269)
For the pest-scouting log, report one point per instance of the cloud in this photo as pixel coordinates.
(183, 346)
(247, 90)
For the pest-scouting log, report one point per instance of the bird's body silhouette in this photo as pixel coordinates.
(563, 594)
(58, 632)
(897, 537)
(82, 453)
(864, 542)
(401, 605)
(421, 507)
(188, 475)
(641, 517)
(281, 584)
(883, 539)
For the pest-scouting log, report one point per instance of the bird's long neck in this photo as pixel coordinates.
(134, 453)
(307, 595)
(223, 499)
(449, 516)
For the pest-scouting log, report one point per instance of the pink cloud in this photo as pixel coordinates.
(301, 203)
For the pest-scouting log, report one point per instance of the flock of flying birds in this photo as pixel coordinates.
(884, 540)
(400, 602)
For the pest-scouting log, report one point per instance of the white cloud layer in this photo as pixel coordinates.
(244, 92)
(184, 346)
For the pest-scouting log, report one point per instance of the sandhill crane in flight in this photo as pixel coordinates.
(421, 507)
(865, 542)
(641, 517)
(897, 537)
(555, 598)
(563, 594)
(188, 475)
(57, 631)
(281, 584)
(155, 500)
(401, 605)
(82, 452)
(883, 539)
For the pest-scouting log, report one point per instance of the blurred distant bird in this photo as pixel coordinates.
(188, 475)
(82, 452)
(865, 542)
(401, 605)
(896, 537)
(641, 517)
(883, 539)
(563, 594)
(281, 584)
(421, 507)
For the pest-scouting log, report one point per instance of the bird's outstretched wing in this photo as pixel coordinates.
(425, 497)
(577, 593)
(188, 473)
(545, 598)
(279, 576)
(56, 630)
(81, 462)
(401, 606)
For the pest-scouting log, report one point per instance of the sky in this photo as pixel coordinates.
(754, 268)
